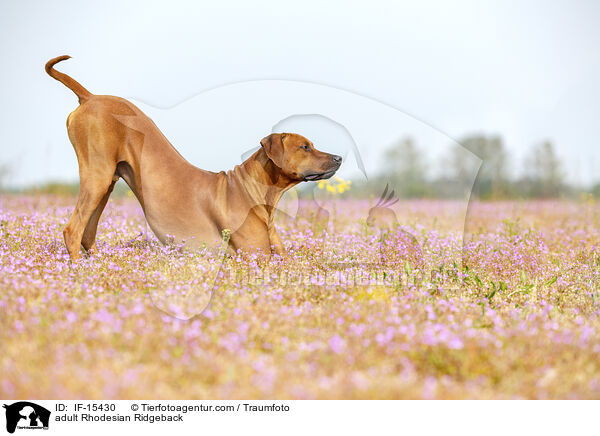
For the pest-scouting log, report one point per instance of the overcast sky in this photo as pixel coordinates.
(526, 70)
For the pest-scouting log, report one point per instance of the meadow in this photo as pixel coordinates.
(504, 305)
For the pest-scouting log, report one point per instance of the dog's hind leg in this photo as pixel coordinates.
(89, 234)
(94, 190)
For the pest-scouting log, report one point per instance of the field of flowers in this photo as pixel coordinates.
(414, 311)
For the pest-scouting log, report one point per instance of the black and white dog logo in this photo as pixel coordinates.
(26, 415)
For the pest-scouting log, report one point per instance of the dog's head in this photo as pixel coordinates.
(297, 157)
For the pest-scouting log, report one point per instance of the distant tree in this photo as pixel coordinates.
(5, 172)
(404, 168)
(456, 173)
(543, 175)
(492, 181)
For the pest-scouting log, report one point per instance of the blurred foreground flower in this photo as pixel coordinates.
(339, 187)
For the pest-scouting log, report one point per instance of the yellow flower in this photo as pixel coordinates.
(339, 187)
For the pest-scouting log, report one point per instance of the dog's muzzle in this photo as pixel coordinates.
(337, 162)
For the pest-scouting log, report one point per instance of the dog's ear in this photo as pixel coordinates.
(273, 146)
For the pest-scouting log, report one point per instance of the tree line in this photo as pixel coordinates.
(405, 168)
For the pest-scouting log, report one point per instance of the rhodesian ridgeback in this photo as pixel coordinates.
(114, 139)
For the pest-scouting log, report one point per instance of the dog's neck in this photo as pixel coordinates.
(265, 182)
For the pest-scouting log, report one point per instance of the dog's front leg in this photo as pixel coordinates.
(277, 244)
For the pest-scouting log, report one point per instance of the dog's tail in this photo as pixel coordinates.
(82, 93)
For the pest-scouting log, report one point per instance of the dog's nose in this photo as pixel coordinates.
(337, 159)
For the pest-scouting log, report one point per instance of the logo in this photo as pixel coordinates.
(344, 124)
(26, 415)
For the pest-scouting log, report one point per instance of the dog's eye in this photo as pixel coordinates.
(305, 147)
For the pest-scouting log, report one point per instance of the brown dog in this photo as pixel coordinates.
(113, 138)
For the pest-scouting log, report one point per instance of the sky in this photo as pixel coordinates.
(218, 76)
